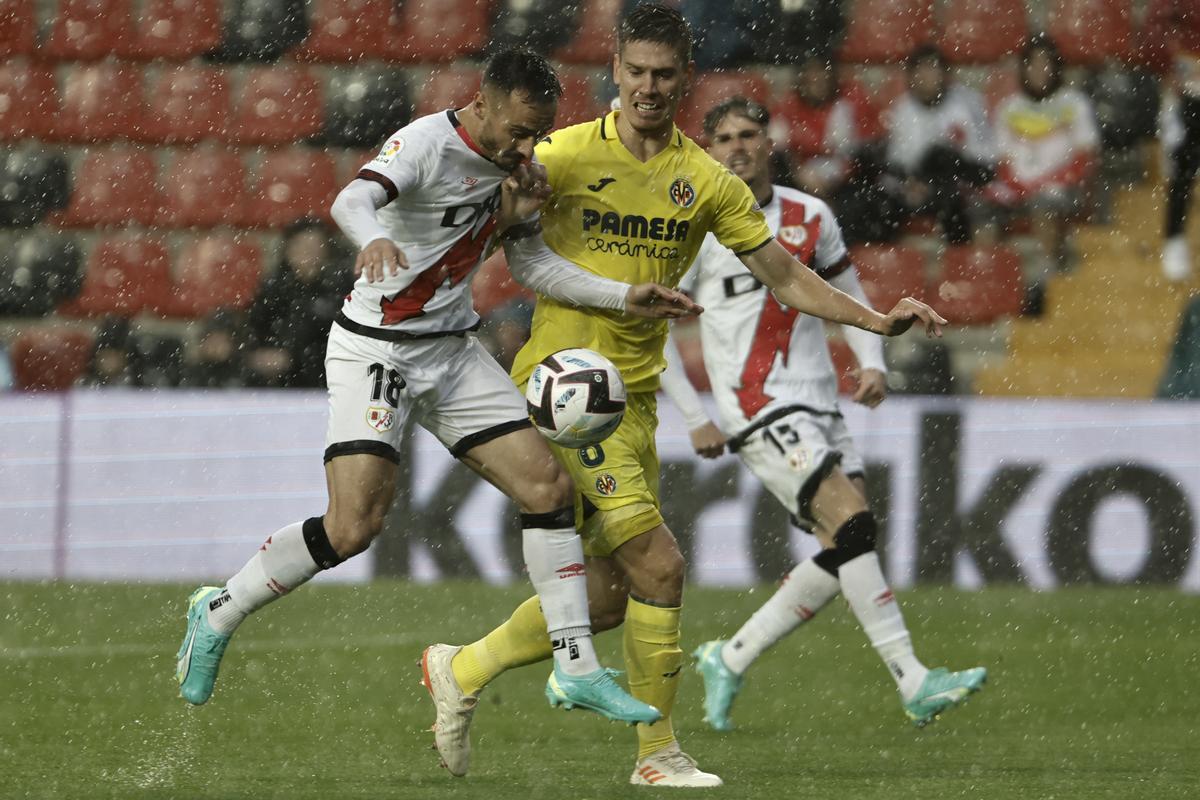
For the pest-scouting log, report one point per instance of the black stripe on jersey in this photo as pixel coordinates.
(603, 133)
(382, 180)
(756, 248)
(392, 335)
(834, 270)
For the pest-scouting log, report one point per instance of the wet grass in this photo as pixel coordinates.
(1092, 695)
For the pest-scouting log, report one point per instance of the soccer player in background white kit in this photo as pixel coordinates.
(425, 213)
(776, 393)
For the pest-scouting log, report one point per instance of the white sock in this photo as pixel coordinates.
(554, 558)
(282, 564)
(804, 592)
(879, 614)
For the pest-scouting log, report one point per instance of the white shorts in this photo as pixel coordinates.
(449, 385)
(794, 453)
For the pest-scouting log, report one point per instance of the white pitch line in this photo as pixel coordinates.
(94, 650)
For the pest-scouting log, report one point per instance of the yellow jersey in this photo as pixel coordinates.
(630, 221)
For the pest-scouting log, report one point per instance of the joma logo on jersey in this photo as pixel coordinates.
(470, 213)
(635, 226)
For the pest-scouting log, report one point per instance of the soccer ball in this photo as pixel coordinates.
(575, 397)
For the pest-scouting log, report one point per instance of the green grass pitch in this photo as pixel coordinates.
(1093, 694)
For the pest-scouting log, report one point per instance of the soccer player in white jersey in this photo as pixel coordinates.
(776, 394)
(425, 213)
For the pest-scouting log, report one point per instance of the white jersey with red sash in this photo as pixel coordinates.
(762, 356)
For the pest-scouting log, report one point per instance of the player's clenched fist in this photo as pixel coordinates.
(379, 259)
(909, 311)
(522, 193)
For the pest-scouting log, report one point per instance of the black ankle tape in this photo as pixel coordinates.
(319, 548)
(857, 535)
(562, 518)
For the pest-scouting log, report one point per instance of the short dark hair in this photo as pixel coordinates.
(519, 69)
(742, 107)
(658, 23)
(923, 53)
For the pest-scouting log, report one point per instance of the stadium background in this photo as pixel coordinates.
(154, 155)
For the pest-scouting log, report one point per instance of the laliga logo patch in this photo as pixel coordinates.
(390, 150)
(795, 235)
(682, 194)
(606, 484)
(381, 418)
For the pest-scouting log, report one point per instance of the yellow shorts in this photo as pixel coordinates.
(616, 481)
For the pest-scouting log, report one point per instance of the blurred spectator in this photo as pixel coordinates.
(216, 359)
(290, 317)
(541, 25)
(790, 31)
(940, 142)
(506, 330)
(1181, 378)
(1047, 144)
(114, 362)
(1171, 37)
(831, 129)
(159, 360)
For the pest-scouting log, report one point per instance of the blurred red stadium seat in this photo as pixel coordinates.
(221, 270)
(494, 286)
(188, 103)
(50, 359)
(982, 31)
(885, 31)
(277, 105)
(346, 30)
(1089, 31)
(595, 41)
(177, 29)
(18, 28)
(712, 88)
(291, 184)
(86, 30)
(100, 102)
(28, 100)
(844, 364)
(889, 273)
(447, 87)
(980, 284)
(126, 274)
(117, 186)
(578, 103)
(204, 187)
(436, 30)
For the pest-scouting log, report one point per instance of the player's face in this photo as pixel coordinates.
(510, 125)
(927, 81)
(651, 79)
(743, 146)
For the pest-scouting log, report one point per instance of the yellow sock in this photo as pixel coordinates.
(654, 662)
(519, 641)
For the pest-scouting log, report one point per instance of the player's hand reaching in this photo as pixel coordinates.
(708, 441)
(522, 193)
(379, 259)
(872, 387)
(652, 301)
(909, 311)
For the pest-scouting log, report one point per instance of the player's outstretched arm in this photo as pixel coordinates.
(798, 286)
(535, 266)
(707, 439)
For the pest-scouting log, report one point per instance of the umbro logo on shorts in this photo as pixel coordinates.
(600, 184)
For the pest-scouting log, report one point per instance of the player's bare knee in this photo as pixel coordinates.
(660, 579)
(550, 493)
(352, 534)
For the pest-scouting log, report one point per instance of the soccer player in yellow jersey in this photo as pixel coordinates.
(632, 200)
